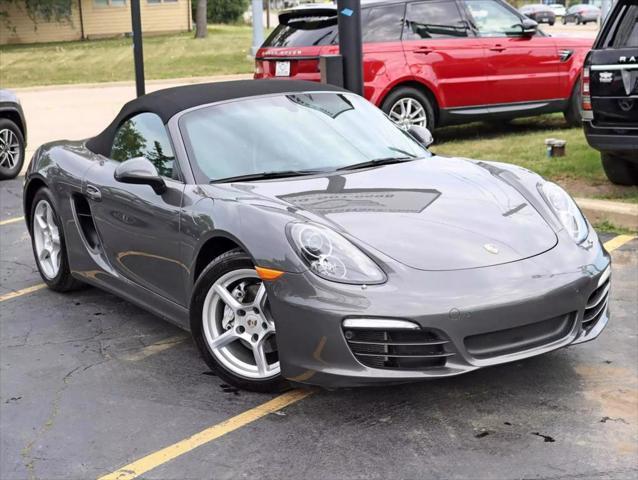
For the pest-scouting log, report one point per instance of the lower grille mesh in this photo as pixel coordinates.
(596, 305)
(398, 349)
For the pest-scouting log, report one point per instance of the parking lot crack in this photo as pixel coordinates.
(27, 452)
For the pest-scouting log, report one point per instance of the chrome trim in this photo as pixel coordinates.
(380, 324)
(603, 278)
(617, 66)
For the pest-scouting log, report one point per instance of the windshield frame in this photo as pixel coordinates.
(199, 177)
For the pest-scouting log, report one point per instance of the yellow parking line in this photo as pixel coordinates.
(154, 348)
(11, 220)
(618, 242)
(19, 293)
(143, 465)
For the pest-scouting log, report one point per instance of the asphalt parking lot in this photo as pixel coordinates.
(90, 384)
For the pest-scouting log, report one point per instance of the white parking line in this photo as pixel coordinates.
(11, 220)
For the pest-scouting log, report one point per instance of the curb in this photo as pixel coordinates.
(621, 214)
(131, 83)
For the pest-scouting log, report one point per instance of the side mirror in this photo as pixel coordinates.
(140, 171)
(421, 135)
(528, 27)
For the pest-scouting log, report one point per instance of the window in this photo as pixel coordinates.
(493, 19)
(625, 34)
(382, 24)
(156, 2)
(144, 135)
(436, 19)
(304, 31)
(109, 3)
(306, 131)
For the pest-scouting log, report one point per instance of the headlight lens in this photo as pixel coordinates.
(331, 256)
(566, 210)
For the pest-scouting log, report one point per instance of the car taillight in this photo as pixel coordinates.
(259, 69)
(586, 95)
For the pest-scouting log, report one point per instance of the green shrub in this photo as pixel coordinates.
(224, 11)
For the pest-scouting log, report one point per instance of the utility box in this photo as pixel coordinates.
(331, 68)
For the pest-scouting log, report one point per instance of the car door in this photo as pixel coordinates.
(520, 68)
(442, 50)
(138, 228)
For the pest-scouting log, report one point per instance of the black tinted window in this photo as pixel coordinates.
(435, 19)
(382, 24)
(626, 34)
(304, 32)
(144, 135)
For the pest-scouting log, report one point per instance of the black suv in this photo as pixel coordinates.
(610, 94)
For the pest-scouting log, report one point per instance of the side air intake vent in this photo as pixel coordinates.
(596, 305)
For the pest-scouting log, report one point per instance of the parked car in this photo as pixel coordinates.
(581, 14)
(438, 62)
(13, 135)
(610, 94)
(539, 13)
(558, 9)
(300, 235)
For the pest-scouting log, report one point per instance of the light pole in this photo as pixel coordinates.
(138, 54)
(258, 25)
(349, 18)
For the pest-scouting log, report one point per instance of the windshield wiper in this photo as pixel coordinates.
(376, 162)
(267, 175)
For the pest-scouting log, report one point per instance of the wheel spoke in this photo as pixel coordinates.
(260, 357)
(44, 254)
(260, 297)
(395, 115)
(41, 221)
(224, 339)
(227, 298)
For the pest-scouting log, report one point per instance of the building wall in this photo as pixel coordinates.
(98, 20)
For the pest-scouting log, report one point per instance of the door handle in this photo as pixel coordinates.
(424, 50)
(497, 48)
(93, 193)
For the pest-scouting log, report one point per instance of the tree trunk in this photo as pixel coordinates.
(201, 21)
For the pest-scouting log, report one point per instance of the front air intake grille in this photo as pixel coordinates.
(397, 348)
(596, 305)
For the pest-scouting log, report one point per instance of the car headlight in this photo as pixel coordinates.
(331, 256)
(566, 210)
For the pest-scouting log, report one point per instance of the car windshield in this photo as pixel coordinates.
(303, 132)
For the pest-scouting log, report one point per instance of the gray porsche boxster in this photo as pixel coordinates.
(302, 236)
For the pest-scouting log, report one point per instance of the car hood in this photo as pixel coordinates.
(437, 213)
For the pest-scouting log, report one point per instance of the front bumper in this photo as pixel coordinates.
(492, 304)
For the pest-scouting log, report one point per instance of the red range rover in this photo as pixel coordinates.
(438, 62)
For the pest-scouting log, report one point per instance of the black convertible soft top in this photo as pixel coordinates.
(166, 103)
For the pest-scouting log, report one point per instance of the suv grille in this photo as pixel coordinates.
(398, 349)
(596, 305)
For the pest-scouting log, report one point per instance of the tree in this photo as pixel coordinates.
(128, 143)
(201, 22)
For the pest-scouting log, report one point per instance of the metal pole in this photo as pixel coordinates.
(258, 25)
(349, 18)
(138, 54)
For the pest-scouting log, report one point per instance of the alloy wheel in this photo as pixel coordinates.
(9, 149)
(407, 112)
(46, 236)
(238, 329)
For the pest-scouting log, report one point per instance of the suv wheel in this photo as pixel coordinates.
(564, 21)
(578, 21)
(232, 324)
(407, 106)
(619, 170)
(572, 113)
(11, 149)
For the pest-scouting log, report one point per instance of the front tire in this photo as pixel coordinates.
(47, 242)
(407, 106)
(11, 149)
(232, 325)
(619, 170)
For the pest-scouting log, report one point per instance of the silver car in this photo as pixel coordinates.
(300, 235)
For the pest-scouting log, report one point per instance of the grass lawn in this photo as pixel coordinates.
(523, 142)
(224, 51)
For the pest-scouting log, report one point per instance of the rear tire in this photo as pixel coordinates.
(572, 113)
(578, 21)
(11, 149)
(241, 315)
(48, 244)
(391, 106)
(619, 170)
(564, 21)
(551, 24)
